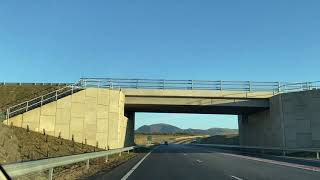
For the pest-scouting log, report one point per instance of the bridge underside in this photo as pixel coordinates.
(194, 101)
(234, 110)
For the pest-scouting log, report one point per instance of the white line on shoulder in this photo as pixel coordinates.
(136, 166)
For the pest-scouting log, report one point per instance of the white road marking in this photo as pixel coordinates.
(184, 154)
(304, 167)
(235, 177)
(136, 166)
(199, 161)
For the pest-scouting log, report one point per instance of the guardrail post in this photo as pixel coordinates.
(318, 155)
(283, 152)
(56, 95)
(107, 158)
(8, 114)
(128, 151)
(27, 106)
(120, 154)
(50, 175)
(87, 164)
(220, 85)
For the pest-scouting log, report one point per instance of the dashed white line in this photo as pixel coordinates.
(235, 177)
(137, 165)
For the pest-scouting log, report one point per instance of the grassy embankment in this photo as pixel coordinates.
(141, 139)
(18, 144)
(14, 94)
(228, 139)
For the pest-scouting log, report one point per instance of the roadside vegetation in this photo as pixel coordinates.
(158, 138)
(14, 94)
(19, 144)
(228, 139)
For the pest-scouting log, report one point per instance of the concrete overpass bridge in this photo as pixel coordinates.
(101, 110)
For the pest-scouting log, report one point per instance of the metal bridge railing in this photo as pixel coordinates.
(246, 86)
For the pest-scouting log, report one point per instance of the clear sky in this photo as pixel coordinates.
(61, 41)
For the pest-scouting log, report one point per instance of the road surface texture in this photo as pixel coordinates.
(178, 161)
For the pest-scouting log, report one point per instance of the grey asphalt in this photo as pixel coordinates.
(177, 161)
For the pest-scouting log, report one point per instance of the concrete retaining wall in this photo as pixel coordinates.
(94, 114)
(293, 121)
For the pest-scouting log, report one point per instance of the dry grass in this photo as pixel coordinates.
(141, 139)
(15, 94)
(229, 139)
(17, 144)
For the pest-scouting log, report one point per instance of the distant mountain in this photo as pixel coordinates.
(159, 128)
(169, 129)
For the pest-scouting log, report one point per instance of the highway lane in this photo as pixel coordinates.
(177, 161)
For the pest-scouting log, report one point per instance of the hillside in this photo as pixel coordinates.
(169, 129)
(159, 128)
(19, 144)
(15, 94)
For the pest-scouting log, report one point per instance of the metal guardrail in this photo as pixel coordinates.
(283, 150)
(19, 169)
(247, 86)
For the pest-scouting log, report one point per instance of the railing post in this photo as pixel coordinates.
(249, 82)
(318, 155)
(163, 84)
(56, 95)
(27, 106)
(107, 158)
(87, 164)
(72, 89)
(279, 89)
(191, 84)
(220, 85)
(137, 83)
(50, 175)
(128, 151)
(8, 114)
(41, 102)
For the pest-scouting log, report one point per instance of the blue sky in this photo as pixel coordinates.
(61, 41)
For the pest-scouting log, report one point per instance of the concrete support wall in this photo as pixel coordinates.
(95, 115)
(293, 121)
(129, 140)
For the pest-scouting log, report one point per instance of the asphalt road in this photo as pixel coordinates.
(177, 161)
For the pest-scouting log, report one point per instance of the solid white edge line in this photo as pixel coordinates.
(137, 165)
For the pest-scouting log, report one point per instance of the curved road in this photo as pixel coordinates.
(177, 161)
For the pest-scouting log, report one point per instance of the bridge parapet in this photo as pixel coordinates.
(243, 86)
